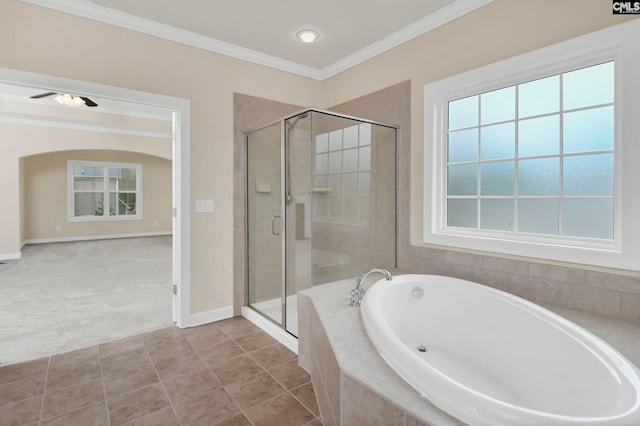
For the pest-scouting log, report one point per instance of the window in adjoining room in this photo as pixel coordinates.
(103, 191)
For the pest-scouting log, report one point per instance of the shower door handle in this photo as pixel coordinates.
(273, 224)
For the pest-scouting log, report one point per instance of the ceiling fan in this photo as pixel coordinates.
(67, 99)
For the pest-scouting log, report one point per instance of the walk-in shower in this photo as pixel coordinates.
(321, 206)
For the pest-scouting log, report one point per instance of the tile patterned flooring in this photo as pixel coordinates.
(225, 373)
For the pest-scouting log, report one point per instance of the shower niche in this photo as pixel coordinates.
(321, 206)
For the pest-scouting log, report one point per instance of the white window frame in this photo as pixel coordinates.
(106, 165)
(614, 44)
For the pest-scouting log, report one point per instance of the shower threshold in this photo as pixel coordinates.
(258, 313)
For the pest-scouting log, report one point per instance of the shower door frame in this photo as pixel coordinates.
(281, 214)
(283, 175)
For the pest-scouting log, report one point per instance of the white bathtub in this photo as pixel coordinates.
(495, 359)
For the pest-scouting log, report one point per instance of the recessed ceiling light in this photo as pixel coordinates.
(307, 36)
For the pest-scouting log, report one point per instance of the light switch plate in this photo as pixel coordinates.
(204, 206)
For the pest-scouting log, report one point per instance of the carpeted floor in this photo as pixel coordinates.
(64, 296)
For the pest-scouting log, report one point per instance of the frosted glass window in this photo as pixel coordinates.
(321, 206)
(321, 182)
(497, 141)
(335, 186)
(350, 185)
(350, 137)
(498, 105)
(462, 213)
(364, 160)
(588, 218)
(539, 97)
(350, 160)
(335, 140)
(364, 209)
(463, 113)
(365, 134)
(496, 214)
(322, 143)
(588, 86)
(350, 207)
(544, 147)
(364, 184)
(539, 176)
(497, 178)
(322, 164)
(463, 146)
(335, 206)
(538, 216)
(335, 162)
(346, 159)
(539, 136)
(588, 130)
(588, 175)
(462, 180)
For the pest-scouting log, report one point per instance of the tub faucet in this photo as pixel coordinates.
(358, 293)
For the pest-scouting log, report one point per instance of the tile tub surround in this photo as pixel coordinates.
(354, 385)
(225, 373)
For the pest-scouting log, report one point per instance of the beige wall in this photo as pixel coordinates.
(46, 196)
(43, 40)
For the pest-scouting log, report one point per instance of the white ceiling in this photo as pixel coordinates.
(262, 31)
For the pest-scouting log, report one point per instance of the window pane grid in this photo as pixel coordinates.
(498, 160)
(103, 190)
(342, 164)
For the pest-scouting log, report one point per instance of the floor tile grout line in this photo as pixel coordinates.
(164, 389)
(286, 391)
(300, 401)
(104, 386)
(216, 377)
(44, 391)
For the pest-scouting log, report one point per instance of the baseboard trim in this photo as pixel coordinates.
(95, 237)
(271, 329)
(213, 315)
(10, 256)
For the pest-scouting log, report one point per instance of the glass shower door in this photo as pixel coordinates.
(265, 221)
(297, 213)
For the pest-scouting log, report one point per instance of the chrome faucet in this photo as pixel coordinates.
(358, 293)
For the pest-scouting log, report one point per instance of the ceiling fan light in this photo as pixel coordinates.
(78, 101)
(307, 36)
(68, 100)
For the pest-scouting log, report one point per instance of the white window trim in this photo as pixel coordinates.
(616, 43)
(70, 198)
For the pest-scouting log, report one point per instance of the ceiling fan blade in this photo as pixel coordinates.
(88, 102)
(43, 95)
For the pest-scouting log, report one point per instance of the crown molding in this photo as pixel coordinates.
(437, 19)
(58, 123)
(100, 13)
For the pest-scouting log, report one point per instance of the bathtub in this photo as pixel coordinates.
(490, 358)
